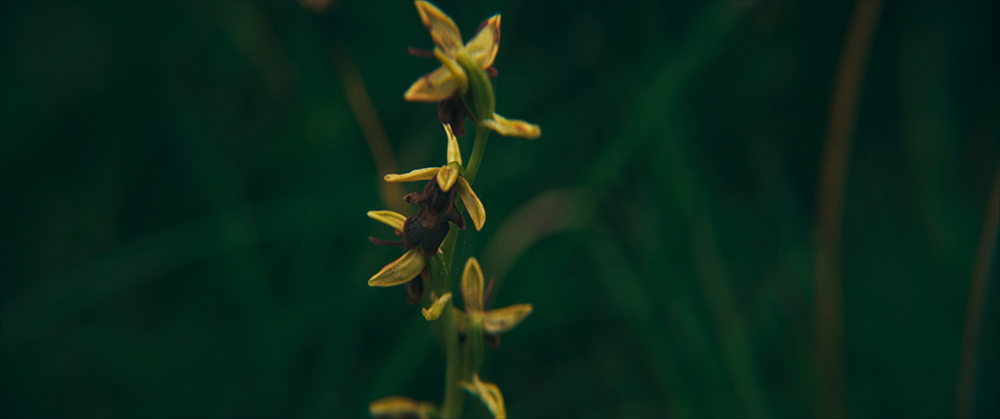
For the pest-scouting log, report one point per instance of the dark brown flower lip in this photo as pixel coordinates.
(429, 226)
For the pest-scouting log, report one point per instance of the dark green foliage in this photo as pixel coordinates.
(183, 189)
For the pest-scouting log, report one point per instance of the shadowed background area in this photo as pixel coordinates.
(183, 188)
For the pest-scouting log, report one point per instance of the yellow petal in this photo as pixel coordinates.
(435, 311)
(454, 154)
(400, 271)
(488, 393)
(472, 286)
(483, 47)
(398, 406)
(419, 174)
(472, 203)
(442, 28)
(512, 127)
(390, 218)
(500, 320)
(435, 86)
(446, 177)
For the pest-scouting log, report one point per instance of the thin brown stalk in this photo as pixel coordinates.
(371, 127)
(977, 297)
(832, 176)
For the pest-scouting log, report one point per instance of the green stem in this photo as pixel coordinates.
(478, 149)
(453, 396)
(455, 368)
(448, 245)
(452, 405)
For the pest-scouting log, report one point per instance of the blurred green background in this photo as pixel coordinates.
(184, 188)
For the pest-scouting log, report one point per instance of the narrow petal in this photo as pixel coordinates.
(472, 204)
(512, 127)
(426, 173)
(390, 218)
(435, 86)
(400, 270)
(472, 286)
(454, 154)
(435, 310)
(398, 406)
(488, 393)
(501, 320)
(446, 177)
(443, 30)
(484, 45)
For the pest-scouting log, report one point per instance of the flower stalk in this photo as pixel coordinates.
(452, 406)
(478, 149)
(464, 88)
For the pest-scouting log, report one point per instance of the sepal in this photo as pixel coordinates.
(390, 218)
(472, 203)
(435, 310)
(400, 270)
(472, 287)
(512, 127)
(488, 393)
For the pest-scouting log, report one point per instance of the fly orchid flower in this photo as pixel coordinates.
(443, 82)
(465, 70)
(423, 232)
(491, 322)
(447, 180)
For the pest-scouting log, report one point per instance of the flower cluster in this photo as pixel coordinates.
(463, 88)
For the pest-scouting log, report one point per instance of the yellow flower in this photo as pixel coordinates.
(448, 177)
(488, 393)
(401, 407)
(463, 66)
(443, 82)
(494, 322)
